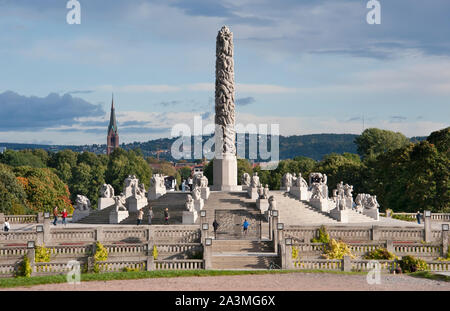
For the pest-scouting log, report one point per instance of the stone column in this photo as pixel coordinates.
(427, 226)
(99, 234)
(275, 233)
(347, 264)
(150, 264)
(445, 239)
(375, 233)
(225, 163)
(390, 246)
(207, 256)
(47, 232)
(40, 218)
(31, 254)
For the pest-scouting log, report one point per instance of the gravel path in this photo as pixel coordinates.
(273, 282)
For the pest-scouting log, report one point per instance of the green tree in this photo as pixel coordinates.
(441, 140)
(21, 158)
(243, 166)
(373, 142)
(63, 162)
(12, 193)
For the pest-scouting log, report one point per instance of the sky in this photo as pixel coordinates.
(309, 66)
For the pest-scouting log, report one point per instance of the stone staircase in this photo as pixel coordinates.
(230, 209)
(97, 217)
(243, 255)
(356, 217)
(295, 212)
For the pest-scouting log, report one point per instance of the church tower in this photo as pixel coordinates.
(112, 140)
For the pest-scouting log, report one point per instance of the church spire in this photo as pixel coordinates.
(112, 140)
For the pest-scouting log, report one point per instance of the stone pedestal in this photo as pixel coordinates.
(116, 217)
(205, 193)
(155, 192)
(339, 215)
(104, 203)
(134, 204)
(262, 204)
(225, 174)
(198, 204)
(244, 187)
(320, 204)
(253, 193)
(372, 213)
(300, 193)
(79, 214)
(189, 218)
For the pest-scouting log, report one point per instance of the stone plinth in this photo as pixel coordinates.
(198, 204)
(339, 215)
(262, 204)
(134, 204)
(80, 214)
(372, 213)
(285, 189)
(320, 204)
(225, 174)
(300, 193)
(205, 193)
(253, 193)
(189, 218)
(104, 203)
(116, 217)
(156, 192)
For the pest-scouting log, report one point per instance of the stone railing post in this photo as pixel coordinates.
(2, 218)
(274, 230)
(427, 226)
(282, 246)
(346, 264)
(40, 235)
(99, 234)
(375, 233)
(40, 218)
(47, 234)
(445, 238)
(204, 232)
(31, 254)
(207, 253)
(390, 246)
(150, 265)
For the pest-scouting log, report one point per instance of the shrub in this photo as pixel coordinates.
(295, 252)
(101, 253)
(42, 254)
(404, 217)
(130, 269)
(155, 252)
(24, 268)
(380, 254)
(412, 264)
(337, 250)
(323, 236)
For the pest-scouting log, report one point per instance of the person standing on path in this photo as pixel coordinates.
(6, 225)
(166, 216)
(150, 215)
(140, 216)
(55, 215)
(190, 182)
(418, 217)
(245, 226)
(64, 216)
(215, 226)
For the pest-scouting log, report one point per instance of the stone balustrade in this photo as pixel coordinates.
(50, 268)
(401, 234)
(184, 264)
(120, 265)
(17, 237)
(318, 264)
(21, 219)
(418, 250)
(62, 235)
(176, 234)
(69, 251)
(121, 234)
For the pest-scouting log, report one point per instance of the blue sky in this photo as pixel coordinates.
(310, 66)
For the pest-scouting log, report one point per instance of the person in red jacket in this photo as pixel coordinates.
(55, 215)
(64, 216)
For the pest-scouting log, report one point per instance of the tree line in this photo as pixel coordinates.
(406, 176)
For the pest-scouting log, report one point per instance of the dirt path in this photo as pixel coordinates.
(273, 282)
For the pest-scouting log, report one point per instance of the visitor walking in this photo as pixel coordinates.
(6, 225)
(166, 216)
(183, 185)
(55, 215)
(64, 216)
(418, 216)
(190, 182)
(140, 216)
(245, 226)
(215, 226)
(150, 215)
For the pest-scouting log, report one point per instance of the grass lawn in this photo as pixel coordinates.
(37, 280)
(431, 276)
